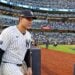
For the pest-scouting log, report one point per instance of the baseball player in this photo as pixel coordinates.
(14, 46)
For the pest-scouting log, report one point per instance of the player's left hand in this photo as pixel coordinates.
(29, 71)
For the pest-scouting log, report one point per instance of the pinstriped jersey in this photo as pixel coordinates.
(15, 44)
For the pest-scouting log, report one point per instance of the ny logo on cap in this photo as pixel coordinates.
(31, 12)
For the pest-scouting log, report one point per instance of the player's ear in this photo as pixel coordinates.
(20, 18)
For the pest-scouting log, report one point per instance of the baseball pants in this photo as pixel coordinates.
(12, 69)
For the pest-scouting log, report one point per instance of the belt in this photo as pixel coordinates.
(19, 64)
(9, 62)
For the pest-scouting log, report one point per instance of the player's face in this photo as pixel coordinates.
(26, 22)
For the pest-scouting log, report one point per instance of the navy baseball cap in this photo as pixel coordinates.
(27, 14)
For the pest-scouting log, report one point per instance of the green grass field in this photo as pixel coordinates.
(62, 48)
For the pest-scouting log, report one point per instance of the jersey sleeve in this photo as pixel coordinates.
(4, 40)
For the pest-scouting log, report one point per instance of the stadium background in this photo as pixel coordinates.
(55, 24)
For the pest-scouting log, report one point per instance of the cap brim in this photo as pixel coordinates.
(33, 17)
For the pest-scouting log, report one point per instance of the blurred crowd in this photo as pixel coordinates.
(52, 37)
(67, 25)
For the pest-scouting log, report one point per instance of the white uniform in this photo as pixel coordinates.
(15, 45)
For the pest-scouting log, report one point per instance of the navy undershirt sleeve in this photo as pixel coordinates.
(27, 58)
(1, 54)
